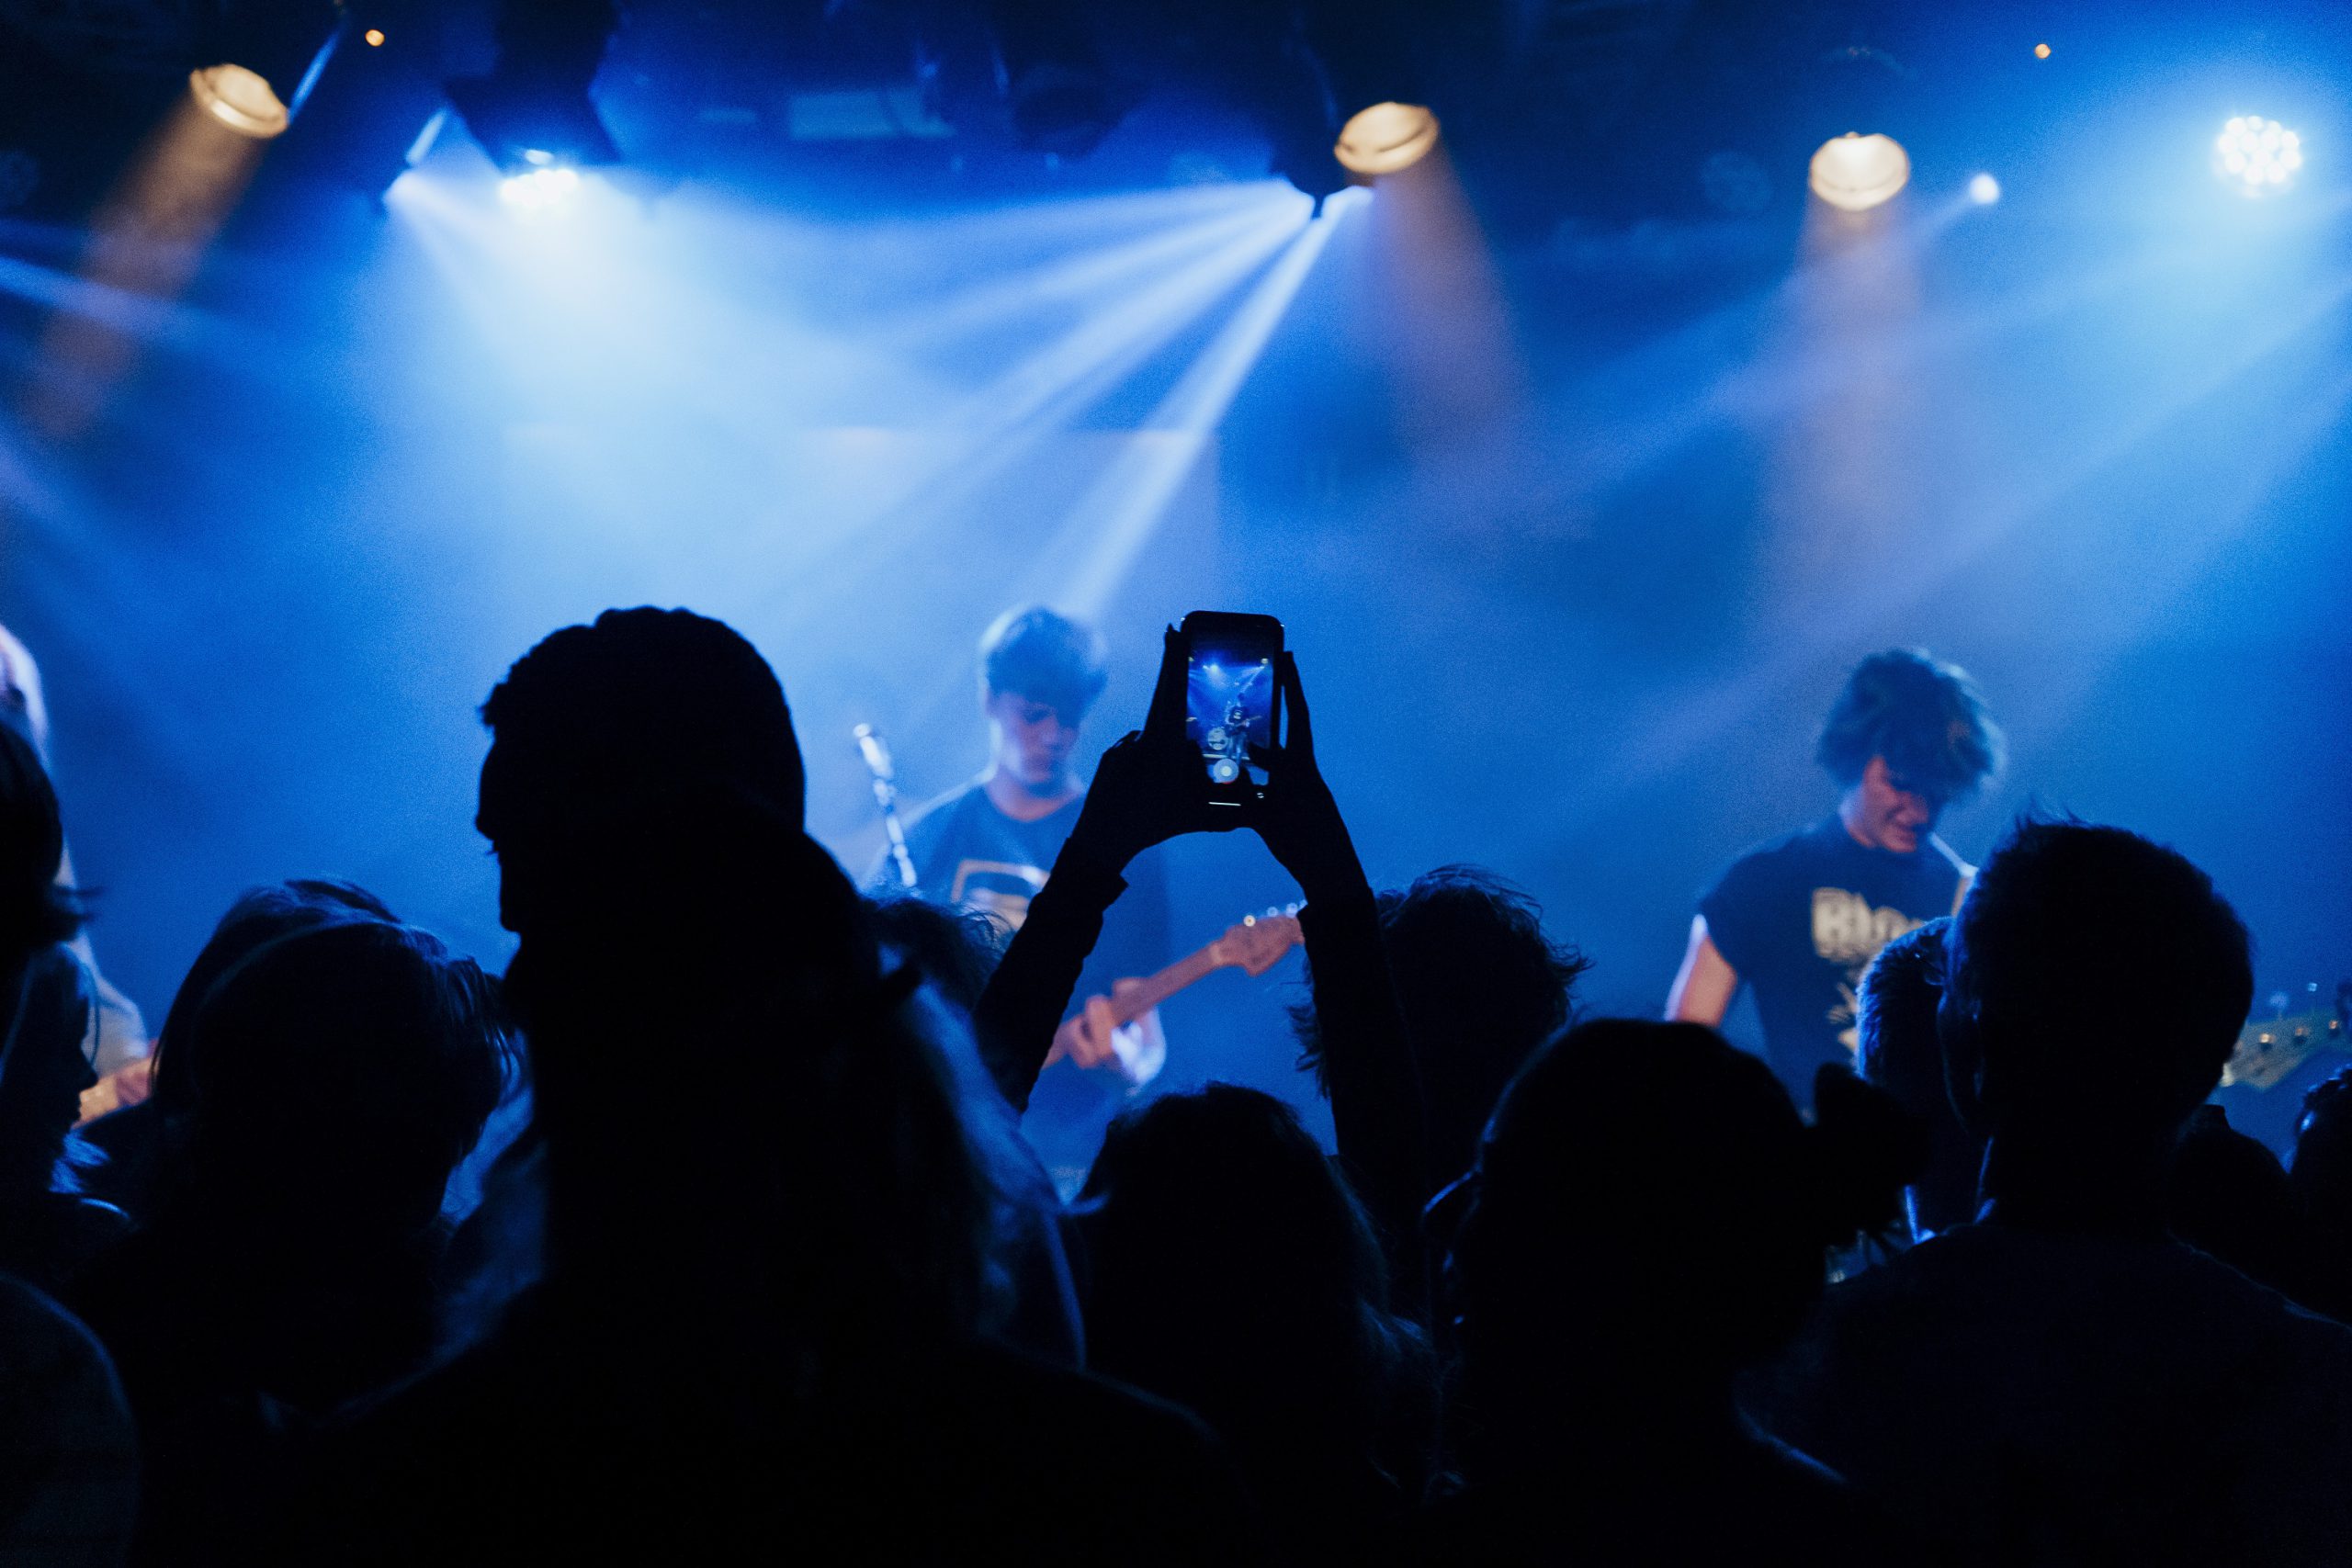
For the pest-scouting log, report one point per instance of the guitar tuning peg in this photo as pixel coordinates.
(1248, 919)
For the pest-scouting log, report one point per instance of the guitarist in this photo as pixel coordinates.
(991, 845)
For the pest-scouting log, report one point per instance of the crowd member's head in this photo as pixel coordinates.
(2322, 1175)
(21, 708)
(616, 748)
(1479, 984)
(1040, 673)
(956, 948)
(1232, 1271)
(34, 912)
(2095, 984)
(2229, 1197)
(1907, 736)
(1650, 1216)
(337, 1073)
(1899, 1052)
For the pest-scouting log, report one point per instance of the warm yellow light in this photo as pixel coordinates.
(1385, 138)
(2042, 51)
(240, 99)
(1855, 173)
(375, 37)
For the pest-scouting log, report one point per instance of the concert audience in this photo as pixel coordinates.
(763, 1316)
(1479, 985)
(1649, 1216)
(325, 1086)
(834, 1308)
(48, 1230)
(2061, 1381)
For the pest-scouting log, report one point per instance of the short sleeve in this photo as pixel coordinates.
(1738, 912)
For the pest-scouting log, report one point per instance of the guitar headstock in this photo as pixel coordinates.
(1257, 943)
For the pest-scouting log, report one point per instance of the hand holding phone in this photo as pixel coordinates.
(1149, 786)
(1296, 816)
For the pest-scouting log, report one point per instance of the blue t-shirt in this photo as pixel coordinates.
(1801, 918)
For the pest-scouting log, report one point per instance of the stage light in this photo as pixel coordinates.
(1983, 190)
(375, 37)
(535, 97)
(2256, 155)
(2042, 51)
(1386, 139)
(537, 189)
(241, 100)
(1855, 173)
(268, 54)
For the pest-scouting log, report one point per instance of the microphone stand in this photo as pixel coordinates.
(886, 796)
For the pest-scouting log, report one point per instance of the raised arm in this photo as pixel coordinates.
(1375, 1092)
(1148, 788)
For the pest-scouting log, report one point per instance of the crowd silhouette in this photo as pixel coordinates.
(400, 1262)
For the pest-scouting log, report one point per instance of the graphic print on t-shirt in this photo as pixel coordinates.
(1848, 931)
(996, 889)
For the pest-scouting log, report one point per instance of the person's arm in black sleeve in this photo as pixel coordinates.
(1375, 1091)
(1149, 787)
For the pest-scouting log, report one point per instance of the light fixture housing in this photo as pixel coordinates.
(1855, 173)
(535, 97)
(266, 55)
(1386, 139)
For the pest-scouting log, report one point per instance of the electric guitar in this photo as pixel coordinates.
(2269, 1049)
(1254, 946)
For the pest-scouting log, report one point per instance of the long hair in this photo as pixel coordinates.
(34, 910)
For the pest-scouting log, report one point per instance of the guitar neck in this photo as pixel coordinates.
(1165, 984)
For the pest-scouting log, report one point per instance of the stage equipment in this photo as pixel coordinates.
(1983, 190)
(1386, 139)
(269, 54)
(2256, 155)
(877, 752)
(1059, 97)
(1855, 173)
(533, 112)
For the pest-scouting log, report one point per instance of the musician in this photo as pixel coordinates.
(991, 845)
(1799, 920)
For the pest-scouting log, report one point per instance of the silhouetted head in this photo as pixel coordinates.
(956, 948)
(338, 1073)
(2095, 984)
(1907, 736)
(260, 915)
(2229, 1197)
(1231, 1269)
(1040, 673)
(613, 747)
(1900, 1052)
(2323, 1168)
(1651, 1214)
(1479, 985)
(34, 912)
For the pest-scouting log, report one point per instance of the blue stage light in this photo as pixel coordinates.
(1983, 190)
(2256, 155)
(537, 189)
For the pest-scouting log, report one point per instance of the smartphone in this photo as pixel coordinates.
(1230, 709)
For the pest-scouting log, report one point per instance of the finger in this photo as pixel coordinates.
(1165, 718)
(1299, 729)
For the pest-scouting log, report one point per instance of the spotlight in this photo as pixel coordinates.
(537, 189)
(1855, 173)
(2042, 51)
(1386, 139)
(535, 97)
(375, 37)
(1983, 190)
(268, 54)
(2257, 155)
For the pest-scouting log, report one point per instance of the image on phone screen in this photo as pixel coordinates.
(1230, 712)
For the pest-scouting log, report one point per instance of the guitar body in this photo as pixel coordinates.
(1254, 946)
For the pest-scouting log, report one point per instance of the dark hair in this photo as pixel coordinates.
(1479, 985)
(260, 915)
(1900, 1052)
(956, 948)
(1044, 656)
(34, 912)
(1647, 1191)
(1925, 718)
(2095, 983)
(599, 718)
(1232, 1269)
(345, 1068)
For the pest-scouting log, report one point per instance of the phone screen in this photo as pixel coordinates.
(1229, 697)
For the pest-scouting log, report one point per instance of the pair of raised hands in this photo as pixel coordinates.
(1152, 786)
